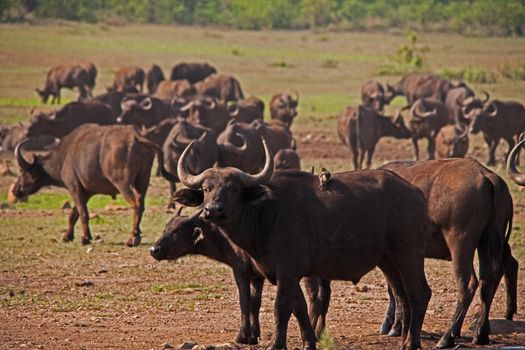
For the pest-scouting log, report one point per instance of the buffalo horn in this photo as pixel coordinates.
(512, 170)
(22, 163)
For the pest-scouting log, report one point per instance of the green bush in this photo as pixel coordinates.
(513, 73)
(408, 57)
(470, 74)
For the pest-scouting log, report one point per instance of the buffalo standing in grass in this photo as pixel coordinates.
(291, 228)
(93, 160)
(154, 76)
(91, 69)
(497, 120)
(192, 72)
(361, 128)
(283, 107)
(373, 95)
(127, 79)
(68, 118)
(64, 76)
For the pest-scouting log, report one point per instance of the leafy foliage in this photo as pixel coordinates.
(470, 74)
(408, 57)
(465, 16)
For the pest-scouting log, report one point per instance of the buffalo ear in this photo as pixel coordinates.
(258, 194)
(189, 197)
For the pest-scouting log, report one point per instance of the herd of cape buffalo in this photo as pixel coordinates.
(268, 220)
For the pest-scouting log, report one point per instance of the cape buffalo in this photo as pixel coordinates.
(91, 160)
(454, 102)
(129, 77)
(154, 76)
(12, 135)
(409, 84)
(277, 134)
(291, 228)
(170, 89)
(470, 208)
(361, 128)
(64, 76)
(145, 111)
(429, 115)
(113, 99)
(91, 69)
(452, 141)
(497, 120)
(373, 95)
(208, 112)
(68, 118)
(287, 158)
(283, 106)
(192, 72)
(247, 110)
(223, 87)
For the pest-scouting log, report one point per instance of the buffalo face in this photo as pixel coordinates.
(41, 124)
(179, 238)
(43, 94)
(223, 192)
(481, 118)
(133, 111)
(31, 175)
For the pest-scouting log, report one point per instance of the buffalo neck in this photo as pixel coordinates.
(214, 245)
(52, 167)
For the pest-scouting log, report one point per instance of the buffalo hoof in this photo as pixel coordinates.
(481, 339)
(385, 327)
(245, 339)
(67, 238)
(509, 315)
(446, 341)
(491, 163)
(394, 332)
(86, 240)
(134, 241)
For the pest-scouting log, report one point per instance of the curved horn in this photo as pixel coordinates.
(464, 102)
(487, 97)
(494, 112)
(22, 163)
(265, 175)
(126, 102)
(179, 211)
(194, 216)
(235, 111)
(146, 104)
(512, 169)
(192, 181)
(210, 104)
(421, 115)
(235, 149)
(186, 107)
(461, 130)
(181, 140)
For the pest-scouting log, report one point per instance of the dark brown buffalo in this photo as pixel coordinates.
(208, 112)
(429, 115)
(240, 146)
(497, 120)
(68, 118)
(287, 158)
(113, 99)
(192, 72)
(91, 160)
(434, 87)
(64, 76)
(129, 77)
(204, 154)
(91, 69)
(154, 76)
(223, 87)
(292, 228)
(169, 89)
(284, 107)
(409, 84)
(276, 133)
(192, 235)
(361, 128)
(247, 110)
(454, 101)
(373, 95)
(12, 135)
(141, 110)
(452, 141)
(471, 209)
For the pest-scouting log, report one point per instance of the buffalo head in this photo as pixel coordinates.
(43, 94)
(400, 130)
(179, 237)
(32, 177)
(134, 111)
(223, 191)
(284, 107)
(480, 118)
(460, 142)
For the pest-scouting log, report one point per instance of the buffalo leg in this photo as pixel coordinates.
(283, 306)
(325, 292)
(416, 147)
(173, 189)
(355, 159)
(511, 281)
(311, 285)
(136, 200)
(72, 220)
(467, 282)
(431, 147)
(370, 154)
(493, 145)
(301, 314)
(80, 198)
(255, 306)
(389, 316)
(243, 285)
